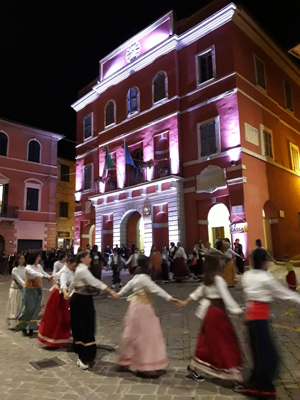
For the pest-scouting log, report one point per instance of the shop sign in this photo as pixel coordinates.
(241, 227)
(237, 209)
(61, 234)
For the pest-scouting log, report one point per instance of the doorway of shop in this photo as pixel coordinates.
(218, 223)
(132, 229)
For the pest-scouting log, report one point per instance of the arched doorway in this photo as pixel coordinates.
(2, 245)
(218, 223)
(271, 228)
(132, 229)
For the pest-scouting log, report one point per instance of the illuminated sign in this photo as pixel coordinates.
(241, 227)
(137, 46)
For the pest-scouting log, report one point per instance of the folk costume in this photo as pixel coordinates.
(229, 269)
(156, 260)
(133, 259)
(83, 312)
(96, 264)
(116, 262)
(14, 305)
(142, 346)
(31, 297)
(181, 270)
(55, 327)
(260, 288)
(217, 350)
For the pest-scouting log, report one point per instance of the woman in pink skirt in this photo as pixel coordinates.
(142, 348)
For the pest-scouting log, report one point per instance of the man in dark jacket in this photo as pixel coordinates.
(238, 248)
(97, 262)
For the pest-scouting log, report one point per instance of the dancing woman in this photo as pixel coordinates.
(83, 311)
(217, 351)
(260, 289)
(229, 270)
(180, 269)
(32, 295)
(55, 326)
(14, 305)
(142, 347)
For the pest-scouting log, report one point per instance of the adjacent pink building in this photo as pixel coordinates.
(209, 110)
(28, 176)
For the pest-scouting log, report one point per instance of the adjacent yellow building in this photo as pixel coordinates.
(65, 203)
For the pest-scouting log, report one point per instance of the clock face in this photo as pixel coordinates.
(146, 210)
(133, 51)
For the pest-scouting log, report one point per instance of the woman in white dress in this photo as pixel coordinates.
(15, 292)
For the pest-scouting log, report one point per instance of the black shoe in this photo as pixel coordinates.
(120, 285)
(238, 387)
(24, 332)
(30, 332)
(193, 374)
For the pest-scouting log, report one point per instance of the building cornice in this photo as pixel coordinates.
(174, 42)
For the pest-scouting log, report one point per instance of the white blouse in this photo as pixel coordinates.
(83, 277)
(18, 275)
(57, 267)
(134, 259)
(259, 285)
(64, 277)
(218, 290)
(33, 272)
(143, 283)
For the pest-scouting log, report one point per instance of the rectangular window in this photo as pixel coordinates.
(260, 73)
(268, 144)
(205, 67)
(64, 173)
(288, 96)
(208, 139)
(87, 126)
(87, 177)
(63, 209)
(32, 199)
(295, 157)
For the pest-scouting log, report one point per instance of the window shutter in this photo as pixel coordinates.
(5, 197)
(288, 97)
(159, 87)
(260, 70)
(110, 113)
(208, 139)
(64, 173)
(87, 121)
(87, 178)
(34, 151)
(205, 65)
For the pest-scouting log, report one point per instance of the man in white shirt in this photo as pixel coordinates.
(59, 264)
(134, 260)
(116, 262)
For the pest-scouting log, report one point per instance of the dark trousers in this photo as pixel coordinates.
(240, 265)
(116, 274)
(199, 267)
(265, 360)
(165, 271)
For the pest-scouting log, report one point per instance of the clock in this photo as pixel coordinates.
(146, 210)
(133, 51)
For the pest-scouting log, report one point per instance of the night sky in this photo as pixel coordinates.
(50, 50)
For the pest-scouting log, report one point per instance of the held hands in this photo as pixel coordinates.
(66, 296)
(49, 277)
(179, 303)
(114, 295)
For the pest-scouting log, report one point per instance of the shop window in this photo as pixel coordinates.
(260, 73)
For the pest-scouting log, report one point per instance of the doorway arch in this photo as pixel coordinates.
(132, 229)
(218, 223)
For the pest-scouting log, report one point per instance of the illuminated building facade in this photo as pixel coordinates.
(207, 109)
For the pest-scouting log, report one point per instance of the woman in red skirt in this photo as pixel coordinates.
(217, 350)
(54, 330)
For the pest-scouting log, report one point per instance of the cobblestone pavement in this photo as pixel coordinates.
(20, 381)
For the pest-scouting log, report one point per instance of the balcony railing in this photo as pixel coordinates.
(9, 212)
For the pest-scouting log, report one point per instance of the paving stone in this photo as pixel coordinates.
(143, 389)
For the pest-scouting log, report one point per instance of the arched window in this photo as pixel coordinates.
(3, 144)
(34, 151)
(110, 113)
(132, 101)
(159, 87)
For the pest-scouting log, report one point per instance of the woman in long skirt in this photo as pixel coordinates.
(217, 350)
(181, 270)
(156, 261)
(15, 292)
(260, 289)
(142, 347)
(229, 270)
(32, 295)
(83, 311)
(55, 327)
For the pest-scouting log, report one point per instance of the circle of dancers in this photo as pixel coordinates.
(142, 349)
